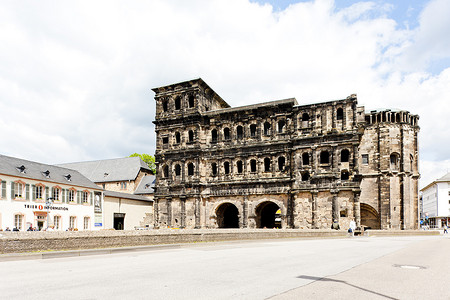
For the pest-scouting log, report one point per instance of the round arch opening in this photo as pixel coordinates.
(369, 217)
(227, 216)
(268, 215)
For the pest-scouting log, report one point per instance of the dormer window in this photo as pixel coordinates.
(46, 174)
(68, 177)
(21, 169)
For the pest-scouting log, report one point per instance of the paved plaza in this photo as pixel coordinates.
(410, 267)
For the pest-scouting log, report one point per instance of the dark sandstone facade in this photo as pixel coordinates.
(280, 164)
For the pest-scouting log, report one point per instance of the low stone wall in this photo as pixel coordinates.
(20, 242)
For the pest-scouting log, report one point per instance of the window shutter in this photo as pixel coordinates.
(46, 193)
(4, 190)
(27, 191)
(12, 191)
(92, 198)
(78, 197)
(33, 194)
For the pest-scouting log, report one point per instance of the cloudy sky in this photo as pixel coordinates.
(76, 76)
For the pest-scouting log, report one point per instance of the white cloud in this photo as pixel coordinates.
(76, 77)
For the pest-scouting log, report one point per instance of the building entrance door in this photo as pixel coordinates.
(119, 221)
(40, 225)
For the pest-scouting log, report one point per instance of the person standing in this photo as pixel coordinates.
(353, 226)
(445, 229)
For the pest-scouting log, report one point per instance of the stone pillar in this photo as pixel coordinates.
(197, 212)
(333, 117)
(169, 211)
(183, 211)
(314, 215)
(156, 213)
(245, 212)
(335, 205)
(357, 207)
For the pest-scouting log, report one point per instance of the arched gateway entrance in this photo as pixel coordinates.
(227, 216)
(266, 215)
(369, 217)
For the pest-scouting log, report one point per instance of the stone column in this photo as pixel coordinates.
(156, 213)
(183, 211)
(245, 212)
(333, 117)
(197, 212)
(169, 211)
(357, 207)
(314, 216)
(335, 205)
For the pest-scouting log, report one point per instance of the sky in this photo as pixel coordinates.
(76, 76)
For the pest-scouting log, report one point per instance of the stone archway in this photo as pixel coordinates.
(227, 216)
(266, 215)
(370, 217)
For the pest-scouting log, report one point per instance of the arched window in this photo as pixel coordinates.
(214, 169)
(267, 164)
(239, 132)
(253, 130)
(394, 161)
(191, 101)
(177, 103)
(281, 163)
(305, 176)
(345, 155)
(340, 113)
(267, 128)
(226, 168)
(177, 170)
(191, 136)
(345, 175)
(226, 134)
(239, 166)
(177, 137)
(305, 159)
(253, 165)
(305, 120)
(281, 125)
(214, 136)
(165, 105)
(324, 157)
(166, 171)
(190, 169)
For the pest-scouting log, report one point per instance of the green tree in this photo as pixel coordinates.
(148, 159)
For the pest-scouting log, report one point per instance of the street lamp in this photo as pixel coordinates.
(48, 202)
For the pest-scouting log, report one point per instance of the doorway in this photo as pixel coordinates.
(269, 215)
(227, 216)
(40, 225)
(119, 221)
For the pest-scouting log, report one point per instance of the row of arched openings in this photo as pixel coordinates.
(178, 103)
(267, 215)
(324, 157)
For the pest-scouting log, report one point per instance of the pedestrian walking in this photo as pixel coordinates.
(352, 227)
(445, 228)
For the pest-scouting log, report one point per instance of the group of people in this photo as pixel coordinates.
(14, 229)
(351, 229)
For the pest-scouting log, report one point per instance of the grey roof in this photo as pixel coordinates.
(33, 170)
(119, 169)
(146, 185)
(291, 101)
(445, 178)
(126, 196)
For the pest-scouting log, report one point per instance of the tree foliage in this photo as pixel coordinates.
(148, 159)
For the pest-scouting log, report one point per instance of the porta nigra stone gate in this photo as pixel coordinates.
(281, 164)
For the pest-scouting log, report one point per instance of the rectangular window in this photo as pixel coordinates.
(165, 140)
(71, 196)
(123, 185)
(86, 223)
(365, 159)
(18, 221)
(55, 194)
(4, 190)
(72, 222)
(38, 192)
(18, 190)
(84, 197)
(57, 222)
